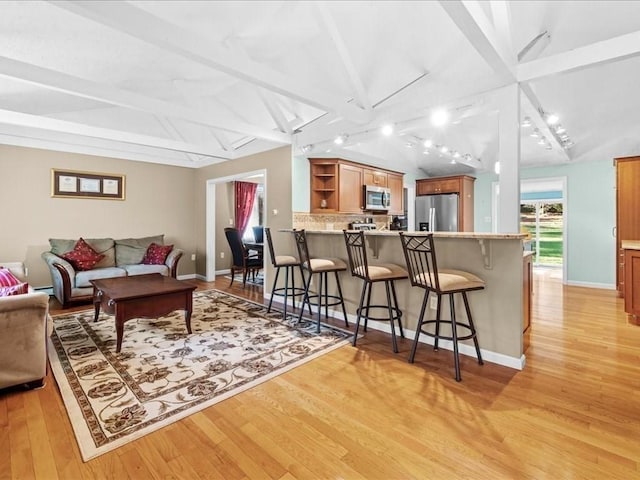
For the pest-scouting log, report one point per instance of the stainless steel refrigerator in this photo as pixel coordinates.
(437, 213)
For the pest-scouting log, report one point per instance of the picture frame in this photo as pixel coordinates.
(81, 184)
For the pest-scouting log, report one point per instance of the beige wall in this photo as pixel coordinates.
(159, 199)
(277, 164)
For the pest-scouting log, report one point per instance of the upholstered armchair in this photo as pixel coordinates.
(23, 339)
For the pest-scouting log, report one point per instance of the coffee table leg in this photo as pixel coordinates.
(187, 319)
(119, 333)
(97, 297)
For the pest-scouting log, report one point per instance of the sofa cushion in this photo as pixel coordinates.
(83, 279)
(8, 279)
(144, 269)
(156, 254)
(82, 257)
(18, 289)
(104, 246)
(130, 251)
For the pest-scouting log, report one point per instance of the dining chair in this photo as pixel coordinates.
(242, 260)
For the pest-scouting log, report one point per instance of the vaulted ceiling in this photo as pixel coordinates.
(195, 83)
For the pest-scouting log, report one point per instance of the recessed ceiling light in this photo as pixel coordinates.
(426, 152)
(444, 149)
(439, 117)
(560, 129)
(387, 129)
(456, 154)
(428, 143)
(526, 122)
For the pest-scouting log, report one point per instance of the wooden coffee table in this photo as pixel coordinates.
(141, 296)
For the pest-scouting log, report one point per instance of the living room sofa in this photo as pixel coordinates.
(24, 327)
(120, 258)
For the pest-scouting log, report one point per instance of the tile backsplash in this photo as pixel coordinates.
(335, 221)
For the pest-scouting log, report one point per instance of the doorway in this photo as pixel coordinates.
(544, 221)
(211, 214)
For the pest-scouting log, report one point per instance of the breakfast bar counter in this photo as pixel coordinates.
(496, 258)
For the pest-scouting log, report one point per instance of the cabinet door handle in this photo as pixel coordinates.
(614, 231)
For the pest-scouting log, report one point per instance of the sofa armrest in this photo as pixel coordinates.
(63, 276)
(172, 261)
(23, 338)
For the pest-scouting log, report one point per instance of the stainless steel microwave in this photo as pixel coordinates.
(376, 198)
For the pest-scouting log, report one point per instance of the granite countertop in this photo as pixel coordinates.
(393, 233)
(630, 244)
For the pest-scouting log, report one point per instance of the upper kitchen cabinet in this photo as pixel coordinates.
(395, 183)
(351, 182)
(375, 177)
(462, 185)
(337, 186)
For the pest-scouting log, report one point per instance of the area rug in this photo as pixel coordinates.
(162, 373)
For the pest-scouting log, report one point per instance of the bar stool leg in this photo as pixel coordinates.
(412, 355)
(304, 286)
(395, 301)
(305, 299)
(286, 289)
(275, 282)
(359, 311)
(454, 336)
(473, 328)
(366, 317)
(393, 328)
(344, 310)
(321, 276)
(438, 312)
(293, 287)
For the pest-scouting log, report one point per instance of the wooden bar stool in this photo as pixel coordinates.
(384, 272)
(420, 255)
(322, 267)
(289, 263)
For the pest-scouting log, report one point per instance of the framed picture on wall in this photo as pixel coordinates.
(77, 184)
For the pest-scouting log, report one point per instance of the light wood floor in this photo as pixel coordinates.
(572, 413)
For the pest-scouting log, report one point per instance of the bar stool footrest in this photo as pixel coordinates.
(444, 337)
(364, 313)
(291, 292)
(333, 300)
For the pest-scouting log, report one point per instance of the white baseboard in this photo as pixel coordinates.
(606, 286)
(190, 276)
(464, 349)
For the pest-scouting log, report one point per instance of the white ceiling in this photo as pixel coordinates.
(195, 83)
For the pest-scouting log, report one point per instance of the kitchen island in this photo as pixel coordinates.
(497, 310)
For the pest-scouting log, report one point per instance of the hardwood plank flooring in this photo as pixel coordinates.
(573, 412)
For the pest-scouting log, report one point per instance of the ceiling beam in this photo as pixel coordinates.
(330, 27)
(173, 131)
(477, 28)
(133, 21)
(501, 13)
(474, 24)
(605, 51)
(51, 124)
(62, 82)
(274, 110)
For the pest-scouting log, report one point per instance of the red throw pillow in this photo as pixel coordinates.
(18, 289)
(156, 254)
(82, 257)
(8, 279)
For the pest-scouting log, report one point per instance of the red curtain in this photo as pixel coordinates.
(245, 195)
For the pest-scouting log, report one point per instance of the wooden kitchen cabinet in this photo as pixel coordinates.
(527, 292)
(351, 194)
(632, 281)
(627, 212)
(324, 185)
(337, 186)
(461, 185)
(375, 177)
(395, 183)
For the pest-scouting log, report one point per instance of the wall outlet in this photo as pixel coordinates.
(433, 303)
(193, 257)
(221, 254)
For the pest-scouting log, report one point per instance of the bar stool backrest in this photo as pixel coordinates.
(303, 249)
(420, 255)
(357, 253)
(272, 253)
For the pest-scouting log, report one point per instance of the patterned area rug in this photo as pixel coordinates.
(237, 279)
(164, 374)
